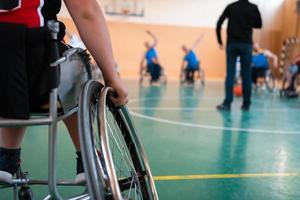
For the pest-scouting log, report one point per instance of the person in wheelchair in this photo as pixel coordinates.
(260, 64)
(291, 74)
(25, 57)
(153, 66)
(191, 63)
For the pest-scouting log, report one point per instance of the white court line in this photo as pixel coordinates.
(220, 128)
(199, 98)
(202, 109)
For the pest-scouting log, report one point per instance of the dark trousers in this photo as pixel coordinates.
(244, 51)
(189, 73)
(154, 70)
(258, 73)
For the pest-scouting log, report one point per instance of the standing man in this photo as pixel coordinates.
(242, 16)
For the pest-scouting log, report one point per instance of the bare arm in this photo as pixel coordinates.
(199, 39)
(296, 59)
(155, 41)
(92, 28)
(183, 65)
(273, 57)
(142, 64)
(275, 60)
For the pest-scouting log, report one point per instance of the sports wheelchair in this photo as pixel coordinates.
(269, 81)
(196, 76)
(115, 163)
(290, 89)
(145, 76)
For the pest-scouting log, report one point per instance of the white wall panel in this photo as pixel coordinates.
(200, 13)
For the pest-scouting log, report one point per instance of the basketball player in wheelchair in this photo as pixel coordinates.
(150, 66)
(25, 79)
(261, 72)
(191, 70)
(291, 79)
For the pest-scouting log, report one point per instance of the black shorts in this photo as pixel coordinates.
(192, 68)
(259, 72)
(24, 71)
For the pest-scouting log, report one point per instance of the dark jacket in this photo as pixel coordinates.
(242, 16)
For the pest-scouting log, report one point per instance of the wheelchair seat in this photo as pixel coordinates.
(6, 178)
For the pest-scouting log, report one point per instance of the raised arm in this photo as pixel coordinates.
(92, 28)
(219, 25)
(199, 39)
(155, 41)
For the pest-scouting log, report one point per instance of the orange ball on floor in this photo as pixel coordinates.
(237, 90)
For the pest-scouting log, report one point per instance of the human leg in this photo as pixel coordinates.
(231, 56)
(156, 72)
(10, 149)
(71, 123)
(246, 58)
(254, 75)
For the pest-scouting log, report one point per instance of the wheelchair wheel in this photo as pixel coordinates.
(270, 81)
(182, 78)
(202, 76)
(129, 175)
(89, 127)
(163, 77)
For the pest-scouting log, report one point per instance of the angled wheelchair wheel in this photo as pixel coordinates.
(129, 175)
(202, 76)
(270, 81)
(89, 127)
(182, 78)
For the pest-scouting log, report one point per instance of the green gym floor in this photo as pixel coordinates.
(196, 152)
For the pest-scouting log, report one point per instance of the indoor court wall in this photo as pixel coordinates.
(289, 24)
(128, 35)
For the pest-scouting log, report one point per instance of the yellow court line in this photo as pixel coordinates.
(222, 176)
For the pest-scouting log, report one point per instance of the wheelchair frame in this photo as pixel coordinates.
(270, 77)
(51, 120)
(145, 74)
(94, 184)
(199, 75)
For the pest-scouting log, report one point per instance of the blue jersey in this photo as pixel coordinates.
(260, 61)
(191, 59)
(150, 54)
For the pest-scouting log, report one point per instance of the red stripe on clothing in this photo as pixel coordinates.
(26, 15)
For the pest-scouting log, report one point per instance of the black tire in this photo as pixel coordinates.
(88, 118)
(129, 175)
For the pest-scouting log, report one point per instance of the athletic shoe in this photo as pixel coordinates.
(10, 160)
(223, 107)
(245, 107)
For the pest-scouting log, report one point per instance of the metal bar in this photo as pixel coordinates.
(15, 192)
(67, 114)
(45, 182)
(29, 122)
(52, 147)
(81, 197)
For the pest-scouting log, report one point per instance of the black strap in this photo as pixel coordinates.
(9, 4)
